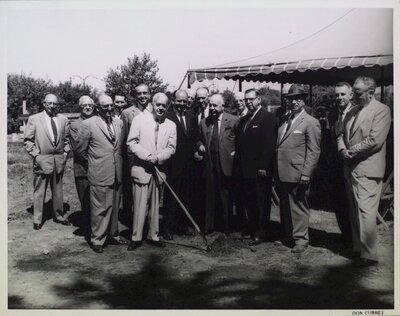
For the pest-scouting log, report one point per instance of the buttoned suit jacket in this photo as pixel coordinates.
(104, 156)
(256, 145)
(141, 143)
(368, 140)
(186, 141)
(226, 137)
(80, 165)
(48, 156)
(298, 151)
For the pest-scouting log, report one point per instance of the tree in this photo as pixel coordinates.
(229, 98)
(25, 88)
(125, 78)
(69, 94)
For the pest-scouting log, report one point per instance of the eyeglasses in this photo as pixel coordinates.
(52, 103)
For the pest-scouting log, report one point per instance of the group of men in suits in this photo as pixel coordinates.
(212, 160)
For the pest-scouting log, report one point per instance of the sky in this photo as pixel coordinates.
(67, 42)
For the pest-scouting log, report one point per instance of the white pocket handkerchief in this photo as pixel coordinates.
(297, 132)
(255, 126)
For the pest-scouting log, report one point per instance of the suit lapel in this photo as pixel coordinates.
(224, 123)
(298, 121)
(117, 132)
(361, 116)
(59, 131)
(103, 129)
(46, 129)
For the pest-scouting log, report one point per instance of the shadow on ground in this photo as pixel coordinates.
(155, 286)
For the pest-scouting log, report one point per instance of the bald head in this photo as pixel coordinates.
(217, 103)
(50, 104)
(105, 107)
(181, 101)
(87, 106)
(160, 103)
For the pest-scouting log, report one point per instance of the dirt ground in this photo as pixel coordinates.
(54, 268)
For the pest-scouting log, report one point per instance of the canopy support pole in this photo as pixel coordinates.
(382, 85)
(240, 85)
(310, 95)
(188, 80)
(282, 94)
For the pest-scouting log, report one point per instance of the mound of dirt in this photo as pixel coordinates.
(223, 245)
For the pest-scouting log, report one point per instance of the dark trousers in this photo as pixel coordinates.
(174, 218)
(257, 197)
(197, 196)
(83, 189)
(218, 197)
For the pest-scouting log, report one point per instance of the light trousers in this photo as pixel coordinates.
(146, 201)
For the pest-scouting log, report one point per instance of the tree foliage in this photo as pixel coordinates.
(123, 79)
(69, 94)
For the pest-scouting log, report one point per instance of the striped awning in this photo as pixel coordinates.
(321, 71)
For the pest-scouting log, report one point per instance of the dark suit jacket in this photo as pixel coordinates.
(256, 146)
(37, 142)
(185, 144)
(104, 157)
(298, 151)
(80, 166)
(227, 136)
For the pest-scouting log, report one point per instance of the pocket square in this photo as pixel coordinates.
(297, 132)
(255, 126)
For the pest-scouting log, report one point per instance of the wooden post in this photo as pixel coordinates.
(282, 94)
(188, 80)
(240, 85)
(310, 95)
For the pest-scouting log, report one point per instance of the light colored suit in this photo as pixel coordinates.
(95, 144)
(297, 154)
(142, 143)
(366, 140)
(49, 162)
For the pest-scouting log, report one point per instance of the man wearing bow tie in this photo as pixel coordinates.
(99, 142)
(255, 149)
(152, 141)
(180, 167)
(297, 155)
(362, 145)
(46, 141)
(218, 133)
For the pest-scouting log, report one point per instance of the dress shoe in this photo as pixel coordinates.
(64, 222)
(118, 241)
(134, 245)
(37, 226)
(97, 248)
(255, 241)
(363, 263)
(156, 243)
(299, 248)
(168, 236)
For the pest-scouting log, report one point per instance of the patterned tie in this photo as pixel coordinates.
(157, 128)
(54, 128)
(112, 135)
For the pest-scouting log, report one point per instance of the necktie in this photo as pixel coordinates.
(339, 123)
(214, 147)
(247, 124)
(182, 123)
(355, 120)
(156, 131)
(289, 124)
(202, 115)
(54, 128)
(110, 131)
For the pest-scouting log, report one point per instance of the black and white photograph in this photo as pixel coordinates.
(198, 156)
